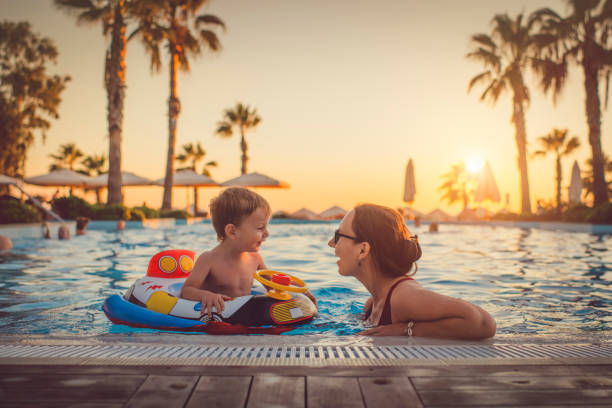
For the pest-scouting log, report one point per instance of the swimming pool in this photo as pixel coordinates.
(531, 280)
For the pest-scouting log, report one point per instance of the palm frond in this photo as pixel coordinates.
(483, 76)
(488, 58)
(571, 145)
(484, 40)
(209, 19)
(503, 27)
(224, 129)
(553, 75)
(210, 39)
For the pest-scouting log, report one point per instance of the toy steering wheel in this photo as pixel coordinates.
(281, 281)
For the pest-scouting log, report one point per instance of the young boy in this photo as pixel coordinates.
(240, 218)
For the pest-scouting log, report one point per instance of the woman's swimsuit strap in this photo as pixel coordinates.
(385, 317)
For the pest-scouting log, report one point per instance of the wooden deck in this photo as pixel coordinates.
(36, 385)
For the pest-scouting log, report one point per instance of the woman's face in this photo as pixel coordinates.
(346, 249)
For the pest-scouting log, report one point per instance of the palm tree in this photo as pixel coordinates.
(456, 185)
(93, 165)
(587, 179)
(506, 54)
(168, 22)
(66, 157)
(243, 118)
(195, 154)
(112, 15)
(583, 38)
(556, 142)
(29, 96)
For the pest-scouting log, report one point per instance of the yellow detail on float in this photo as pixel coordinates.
(161, 302)
(291, 311)
(167, 264)
(186, 263)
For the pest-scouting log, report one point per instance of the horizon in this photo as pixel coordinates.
(348, 92)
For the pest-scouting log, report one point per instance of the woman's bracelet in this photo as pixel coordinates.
(408, 330)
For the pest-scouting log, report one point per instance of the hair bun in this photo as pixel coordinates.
(413, 248)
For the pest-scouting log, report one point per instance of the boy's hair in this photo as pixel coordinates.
(232, 205)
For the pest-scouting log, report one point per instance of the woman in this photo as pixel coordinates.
(373, 245)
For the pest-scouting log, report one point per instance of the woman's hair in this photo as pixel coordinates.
(393, 249)
(232, 205)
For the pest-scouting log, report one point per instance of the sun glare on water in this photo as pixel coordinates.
(474, 164)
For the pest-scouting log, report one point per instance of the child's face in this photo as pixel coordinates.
(253, 230)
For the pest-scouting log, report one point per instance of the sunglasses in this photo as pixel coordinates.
(338, 235)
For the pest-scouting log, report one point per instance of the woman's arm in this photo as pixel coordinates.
(435, 315)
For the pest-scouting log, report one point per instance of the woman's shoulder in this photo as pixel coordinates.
(403, 288)
(406, 283)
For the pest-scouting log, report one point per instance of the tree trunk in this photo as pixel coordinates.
(174, 108)
(116, 93)
(558, 181)
(518, 118)
(593, 112)
(244, 148)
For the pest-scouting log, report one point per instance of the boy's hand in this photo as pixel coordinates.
(210, 300)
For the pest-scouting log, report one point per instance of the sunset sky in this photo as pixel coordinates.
(348, 91)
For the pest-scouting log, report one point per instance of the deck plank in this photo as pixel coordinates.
(389, 392)
(524, 370)
(268, 391)
(220, 392)
(509, 382)
(163, 391)
(457, 398)
(340, 392)
(30, 388)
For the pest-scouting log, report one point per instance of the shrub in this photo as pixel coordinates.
(110, 212)
(601, 214)
(71, 207)
(147, 211)
(15, 212)
(137, 215)
(182, 214)
(577, 213)
(281, 214)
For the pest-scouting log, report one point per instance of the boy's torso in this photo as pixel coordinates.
(232, 277)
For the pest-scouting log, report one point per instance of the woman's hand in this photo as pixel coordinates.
(395, 329)
(210, 300)
(367, 307)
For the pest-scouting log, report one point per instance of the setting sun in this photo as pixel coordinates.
(474, 164)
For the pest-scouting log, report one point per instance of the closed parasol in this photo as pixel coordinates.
(487, 187)
(409, 187)
(575, 188)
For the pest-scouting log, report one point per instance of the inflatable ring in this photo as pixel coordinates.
(154, 302)
(272, 283)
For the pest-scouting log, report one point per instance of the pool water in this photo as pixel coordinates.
(530, 280)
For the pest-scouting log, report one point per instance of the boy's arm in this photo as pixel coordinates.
(192, 287)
